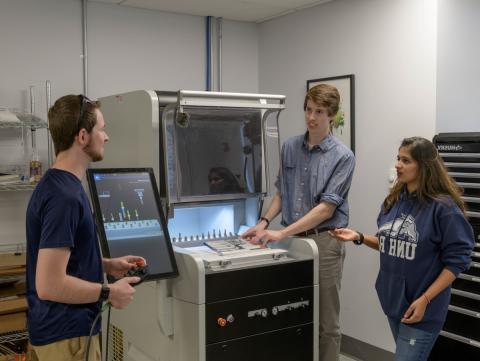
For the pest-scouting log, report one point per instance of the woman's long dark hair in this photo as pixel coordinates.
(434, 181)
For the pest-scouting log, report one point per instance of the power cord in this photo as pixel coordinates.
(108, 333)
(104, 307)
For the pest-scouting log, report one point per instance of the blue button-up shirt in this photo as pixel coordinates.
(311, 176)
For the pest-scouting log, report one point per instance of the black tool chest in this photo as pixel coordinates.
(460, 338)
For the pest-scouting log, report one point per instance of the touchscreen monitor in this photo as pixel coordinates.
(130, 219)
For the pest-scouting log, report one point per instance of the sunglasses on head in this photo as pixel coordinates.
(83, 108)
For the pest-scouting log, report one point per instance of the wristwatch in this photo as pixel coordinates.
(359, 241)
(267, 221)
(104, 293)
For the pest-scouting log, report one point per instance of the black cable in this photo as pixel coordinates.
(245, 180)
(107, 336)
(260, 207)
(93, 326)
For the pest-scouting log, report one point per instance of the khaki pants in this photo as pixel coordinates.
(331, 254)
(71, 349)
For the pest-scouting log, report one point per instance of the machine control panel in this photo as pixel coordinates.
(236, 318)
(262, 312)
(222, 322)
(292, 306)
(279, 308)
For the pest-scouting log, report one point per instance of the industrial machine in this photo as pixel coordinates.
(216, 156)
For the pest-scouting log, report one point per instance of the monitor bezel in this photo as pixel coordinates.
(91, 172)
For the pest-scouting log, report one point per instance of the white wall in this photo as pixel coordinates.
(390, 46)
(132, 48)
(458, 84)
(128, 49)
(240, 57)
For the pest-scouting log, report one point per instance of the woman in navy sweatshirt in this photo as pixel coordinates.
(424, 242)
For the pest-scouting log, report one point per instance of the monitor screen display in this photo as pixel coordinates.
(130, 219)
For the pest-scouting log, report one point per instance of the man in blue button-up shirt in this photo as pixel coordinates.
(313, 186)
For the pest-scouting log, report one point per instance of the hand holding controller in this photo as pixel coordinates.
(141, 271)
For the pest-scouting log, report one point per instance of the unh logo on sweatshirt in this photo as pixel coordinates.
(400, 239)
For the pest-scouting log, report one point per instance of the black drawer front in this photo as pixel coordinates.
(465, 302)
(446, 349)
(258, 314)
(473, 271)
(471, 192)
(291, 344)
(465, 285)
(253, 281)
(472, 207)
(476, 230)
(475, 265)
(462, 168)
(466, 179)
(463, 325)
(467, 142)
(476, 225)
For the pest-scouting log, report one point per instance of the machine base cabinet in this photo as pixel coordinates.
(263, 311)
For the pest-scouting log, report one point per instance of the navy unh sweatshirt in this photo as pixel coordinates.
(416, 242)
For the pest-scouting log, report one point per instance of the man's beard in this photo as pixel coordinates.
(94, 156)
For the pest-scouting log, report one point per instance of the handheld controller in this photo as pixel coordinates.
(140, 271)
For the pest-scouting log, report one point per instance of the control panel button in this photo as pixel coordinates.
(221, 322)
(230, 318)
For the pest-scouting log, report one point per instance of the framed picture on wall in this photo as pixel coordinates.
(344, 122)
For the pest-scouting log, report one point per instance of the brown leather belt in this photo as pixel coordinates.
(312, 232)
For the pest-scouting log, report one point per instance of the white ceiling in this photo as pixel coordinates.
(241, 10)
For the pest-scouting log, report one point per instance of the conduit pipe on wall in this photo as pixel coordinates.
(84, 44)
(208, 65)
(213, 32)
(219, 54)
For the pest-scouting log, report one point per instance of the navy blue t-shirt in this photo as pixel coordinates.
(59, 215)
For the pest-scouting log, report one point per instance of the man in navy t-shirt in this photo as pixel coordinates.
(64, 266)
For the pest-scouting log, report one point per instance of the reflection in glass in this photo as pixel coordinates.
(222, 180)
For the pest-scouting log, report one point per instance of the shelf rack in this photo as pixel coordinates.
(13, 118)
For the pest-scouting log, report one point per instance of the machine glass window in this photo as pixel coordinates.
(218, 151)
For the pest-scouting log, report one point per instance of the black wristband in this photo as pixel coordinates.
(266, 220)
(359, 241)
(104, 293)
